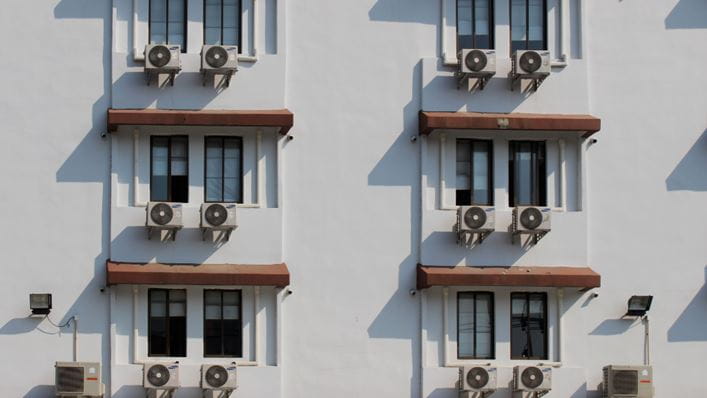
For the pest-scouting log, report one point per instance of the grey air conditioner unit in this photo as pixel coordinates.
(219, 378)
(218, 217)
(78, 379)
(160, 379)
(473, 220)
(530, 65)
(163, 216)
(162, 59)
(219, 60)
(476, 64)
(627, 382)
(531, 220)
(536, 379)
(478, 379)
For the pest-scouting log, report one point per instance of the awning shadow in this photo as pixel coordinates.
(689, 174)
(690, 325)
(687, 14)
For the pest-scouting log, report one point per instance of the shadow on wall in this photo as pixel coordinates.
(40, 391)
(690, 325)
(689, 174)
(688, 14)
(413, 11)
(398, 167)
(613, 327)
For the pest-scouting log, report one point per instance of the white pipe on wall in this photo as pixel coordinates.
(76, 338)
(136, 170)
(135, 360)
(256, 322)
(254, 52)
(443, 31)
(443, 173)
(138, 54)
(563, 175)
(423, 339)
(560, 297)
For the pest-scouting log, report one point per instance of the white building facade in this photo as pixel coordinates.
(345, 144)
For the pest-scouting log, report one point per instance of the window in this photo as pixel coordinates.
(474, 172)
(222, 22)
(168, 22)
(224, 168)
(167, 328)
(528, 182)
(169, 164)
(528, 20)
(529, 326)
(475, 332)
(222, 323)
(475, 24)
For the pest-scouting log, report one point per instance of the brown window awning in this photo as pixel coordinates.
(586, 125)
(575, 277)
(281, 118)
(203, 274)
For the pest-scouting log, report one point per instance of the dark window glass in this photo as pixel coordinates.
(475, 24)
(528, 180)
(224, 169)
(528, 25)
(222, 323)
(529, 326)
(168, 22)
(475, 331)
(167, 328)
(222, 22)
(169, 169)
(474, 172)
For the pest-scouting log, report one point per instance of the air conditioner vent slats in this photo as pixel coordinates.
(69, 379)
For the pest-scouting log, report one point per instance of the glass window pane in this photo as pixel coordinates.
(158, 309)
(465, 323)
(212, 312)
(213, 167)
(536, 17)
(212, 297)
(481, 14)
(160, 153)
(231, 298)
(177, 295)
(464, 24)
(231, 22)
(524, 175)
(481, 187)
(463, 164)
(518, 24)
(177, 309)
(214, 189)
(158, 21)
(231, 312)
(232, 190)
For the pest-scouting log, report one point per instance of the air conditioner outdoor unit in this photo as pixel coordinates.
(536, 379)
(218, 217)
(531, 220)
(476, 64)
(161, 59)
(218, 379)
(477, 379)
(160, 379)
(627, 382)
(219, 60)
(78, 379)
(163, 216)
(530, 64)
(472, 220)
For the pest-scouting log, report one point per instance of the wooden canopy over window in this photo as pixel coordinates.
(576, 277)
(204, 274)
(586, 125)
(281, 118)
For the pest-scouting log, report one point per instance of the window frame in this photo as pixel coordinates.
(493, 324)
(539, 183)
(527, 26)
(545, 324)
(169, 166)
(240, 26)
(150, 291)
(223, 139)
(489, 177)
(183, 48)
(240, 323)
(492, 26)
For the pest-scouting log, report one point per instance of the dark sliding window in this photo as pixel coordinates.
(474, 172)
(528, 25)
(222, 22)
(527, 174)
(475, 24)
(167, 328)
(224, 169)
(529, 326)
(168, 22)
(169, 164)
(475, 332)
(222, 323)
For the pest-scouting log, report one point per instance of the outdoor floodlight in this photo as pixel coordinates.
(639, 305)
(40, 303)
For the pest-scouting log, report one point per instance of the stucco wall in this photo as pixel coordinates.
(351, 222)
